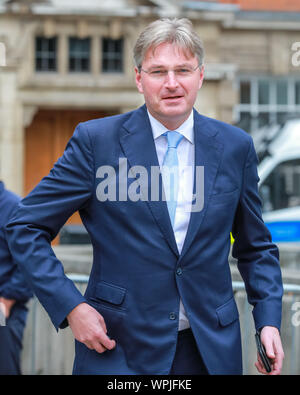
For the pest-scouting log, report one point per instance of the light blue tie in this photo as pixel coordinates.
(170, 172)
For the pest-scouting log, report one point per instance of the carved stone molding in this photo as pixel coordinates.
(23, 6)
(82, 29)
(49, 28)
(28, 114)
(115, 28)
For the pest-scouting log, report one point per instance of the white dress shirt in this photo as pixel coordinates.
(186, 154)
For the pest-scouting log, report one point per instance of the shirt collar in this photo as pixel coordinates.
(186, 129)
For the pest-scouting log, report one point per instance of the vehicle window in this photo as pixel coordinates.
(281, 189)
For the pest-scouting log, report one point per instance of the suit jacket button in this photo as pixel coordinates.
(172, 316)
(179, 271)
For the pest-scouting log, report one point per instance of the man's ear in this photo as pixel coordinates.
(201, 76)
(138, 80)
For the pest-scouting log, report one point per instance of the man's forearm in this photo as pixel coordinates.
(6, 305)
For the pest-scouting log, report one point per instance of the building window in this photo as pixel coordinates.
(79, 54)
(45, 54)
(112, 55)
(297, 92)
(266, 100)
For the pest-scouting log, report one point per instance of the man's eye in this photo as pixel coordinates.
(158, 72)
(183, 71)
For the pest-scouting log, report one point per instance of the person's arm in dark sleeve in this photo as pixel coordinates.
(16, 288)
(257, 256)
(258, 263)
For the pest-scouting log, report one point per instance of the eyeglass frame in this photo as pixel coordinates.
(140, 69)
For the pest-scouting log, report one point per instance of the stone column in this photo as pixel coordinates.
(227, 98)
(63, 51)
(280, 53)
(95, 55)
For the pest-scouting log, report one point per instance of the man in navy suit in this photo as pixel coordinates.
(14, 293)
(159, 298)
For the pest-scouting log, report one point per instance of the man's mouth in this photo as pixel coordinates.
(172, 97)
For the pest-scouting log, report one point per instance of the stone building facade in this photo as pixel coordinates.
(69, 61)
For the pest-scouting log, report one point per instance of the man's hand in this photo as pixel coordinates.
(88, 327)
(7, 305)
(270, 338)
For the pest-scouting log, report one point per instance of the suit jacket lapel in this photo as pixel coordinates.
(137, 142)
(208, 153)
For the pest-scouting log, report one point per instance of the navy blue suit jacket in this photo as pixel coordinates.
(12, 283)
(134, 282)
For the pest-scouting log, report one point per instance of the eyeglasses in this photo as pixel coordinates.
(181, 72)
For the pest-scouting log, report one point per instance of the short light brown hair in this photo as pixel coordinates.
(174, 31)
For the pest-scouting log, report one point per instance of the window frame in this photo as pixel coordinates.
(272, 108)
(79, 59)
(44, 54)
(112, 56)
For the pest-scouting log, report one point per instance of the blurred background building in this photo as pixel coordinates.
(66, 61)
(69, 61)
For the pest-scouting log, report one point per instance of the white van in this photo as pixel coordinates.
(279, 172)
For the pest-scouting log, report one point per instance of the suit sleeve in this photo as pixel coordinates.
(40, 215)
(258, 257)
(15, 287)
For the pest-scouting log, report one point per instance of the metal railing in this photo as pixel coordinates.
(293, 288)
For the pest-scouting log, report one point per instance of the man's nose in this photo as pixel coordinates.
(171, 80)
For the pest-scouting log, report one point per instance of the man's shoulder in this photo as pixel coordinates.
(106, 124)
(224, 130)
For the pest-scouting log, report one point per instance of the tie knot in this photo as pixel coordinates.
(174, 138)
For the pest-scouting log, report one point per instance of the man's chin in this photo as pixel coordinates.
(172, 118)
(174, 112)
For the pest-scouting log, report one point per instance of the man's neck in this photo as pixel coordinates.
(170, 124)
